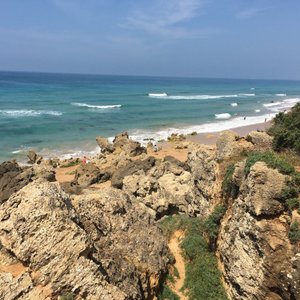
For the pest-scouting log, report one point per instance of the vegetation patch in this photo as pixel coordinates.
(167, 294)
(293, 203)
(70, 164)
(286, 130)
(228, 187)
(203, 279)
(271, 159)
(294, 233)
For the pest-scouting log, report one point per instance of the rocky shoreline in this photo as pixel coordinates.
(94, 233)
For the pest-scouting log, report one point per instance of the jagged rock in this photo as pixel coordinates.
(33, 157)
(105, 145)
(261, 140)
(239, 173)
(39, 227)
(229, 145)
(127, 242)
(265, 186)
(132, 148)
(88, 174)
(141, 166)
(13, 177)
(253, 242)
(203, 165)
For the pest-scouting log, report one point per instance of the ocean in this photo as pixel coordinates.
(61, 114)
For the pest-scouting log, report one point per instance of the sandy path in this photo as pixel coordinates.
(179, 263)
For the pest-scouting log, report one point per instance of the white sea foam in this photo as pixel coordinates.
(280, 95)
(234, 104)
(28, 113)
(282, 105)
(96, 106)
(252, 88)
(247, 95)
(223, 116)
(157, 95)
(197, 97)
(216, 126)
(257, 110)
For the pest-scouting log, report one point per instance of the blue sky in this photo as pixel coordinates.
(199, 38)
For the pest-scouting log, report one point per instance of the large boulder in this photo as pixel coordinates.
(13, 177)
(39, 228)
(105, 145)
(231, 146)
(129, 246)
(132, 148)
(261, 140)
(253, 246)
(138, 166)
(33, 157)
(88, 174)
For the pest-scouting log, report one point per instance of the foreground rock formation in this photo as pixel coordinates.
(97, 242)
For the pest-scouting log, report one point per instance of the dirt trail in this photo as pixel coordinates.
(179, 263)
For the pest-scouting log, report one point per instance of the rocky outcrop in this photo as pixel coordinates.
(138, 166)
(230, 145)
(13, 177)
(253, 243)
(127, 242)
(261, 140)
(104, 248)
(33, 157)
(105, 145)
(131, 147)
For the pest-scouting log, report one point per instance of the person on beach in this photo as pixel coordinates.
(84, 161)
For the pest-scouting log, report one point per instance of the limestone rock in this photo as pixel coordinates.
(13, 177)
(33, 157)
(132, 148)
(127, 242)
(253, 244)
(105, 145)
(88, 174)
(261, 140)
(39, 227)
(140, 166)
(229, 145)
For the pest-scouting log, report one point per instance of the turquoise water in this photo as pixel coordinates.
(61, 114)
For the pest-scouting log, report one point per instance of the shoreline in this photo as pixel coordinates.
(207, 138)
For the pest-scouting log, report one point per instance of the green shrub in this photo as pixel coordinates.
(286, 130)
(71, 164)
(228, 187)
(271, 159)
(167, 294)
(203, 279)
(293, 203)
(67, 296)
(294, 233)
(288, 192)
(212, 224)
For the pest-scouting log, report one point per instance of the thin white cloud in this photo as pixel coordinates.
(167, 18)
(248, 13)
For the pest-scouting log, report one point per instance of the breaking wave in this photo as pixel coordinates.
(96, 106)
(28, 113)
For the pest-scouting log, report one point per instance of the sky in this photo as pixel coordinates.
(184, 38)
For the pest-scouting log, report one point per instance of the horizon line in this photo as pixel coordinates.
(149, 76)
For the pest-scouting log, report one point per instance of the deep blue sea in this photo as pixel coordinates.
(61, 114)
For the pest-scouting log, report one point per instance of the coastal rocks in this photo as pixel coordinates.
(33, 157)
(264, 188)
(131, 147)
(127, 243)
(40, 229)
(13, 177)
(230, 145)
(261, 140)
(204, 169)
(88, 174)
(138, 166)
(253, 244)
(105, 145)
